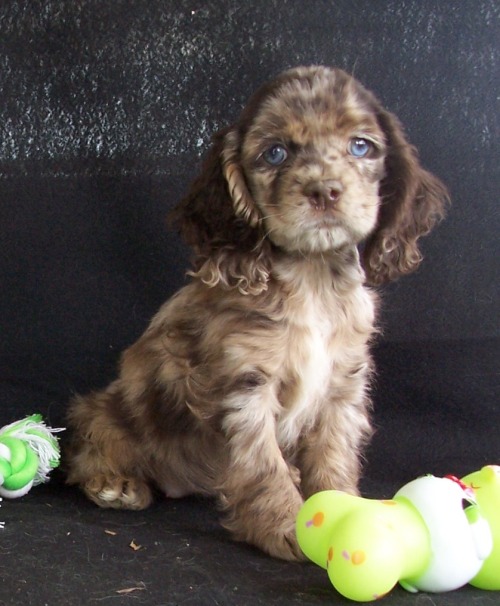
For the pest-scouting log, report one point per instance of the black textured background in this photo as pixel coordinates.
(106, 108)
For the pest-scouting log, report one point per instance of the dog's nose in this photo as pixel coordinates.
(323, 195)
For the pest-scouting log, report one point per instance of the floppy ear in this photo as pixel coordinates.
(243, 204)
(219, 220)
(413, 201)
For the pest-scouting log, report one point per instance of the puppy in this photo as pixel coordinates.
(251, 383)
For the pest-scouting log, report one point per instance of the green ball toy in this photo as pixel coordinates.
(486, 486)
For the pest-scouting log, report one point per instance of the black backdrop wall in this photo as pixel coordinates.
(105, 111)
(114, 103)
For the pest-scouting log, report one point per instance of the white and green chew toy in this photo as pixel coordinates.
(435, 534)
(28, 452)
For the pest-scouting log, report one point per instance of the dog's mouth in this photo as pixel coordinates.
(324, 221)
(329, 220)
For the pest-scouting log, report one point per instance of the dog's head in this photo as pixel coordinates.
(314, 164)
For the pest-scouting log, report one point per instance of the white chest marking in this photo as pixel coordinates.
(309, 363)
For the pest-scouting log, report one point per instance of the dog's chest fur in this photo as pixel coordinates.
(329, 322)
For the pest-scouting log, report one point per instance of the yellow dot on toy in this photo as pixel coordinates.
(318, 518)
(330, 554)
(358, 557)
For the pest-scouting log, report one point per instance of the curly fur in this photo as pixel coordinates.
(251, 384)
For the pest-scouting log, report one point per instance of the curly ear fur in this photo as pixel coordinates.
(243, 203)
(220, 221)
(413, 201)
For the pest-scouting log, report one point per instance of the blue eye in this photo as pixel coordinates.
(275, 155)
(359, 147)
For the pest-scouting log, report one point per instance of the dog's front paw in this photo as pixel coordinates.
(118, 493)
(267, 521)
(283, 544)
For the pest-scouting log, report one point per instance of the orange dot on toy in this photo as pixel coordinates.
(358, 557)
(318, 518)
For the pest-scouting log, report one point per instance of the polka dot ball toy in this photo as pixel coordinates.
(435, 534)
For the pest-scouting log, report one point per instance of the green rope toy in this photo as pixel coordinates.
(28, 452)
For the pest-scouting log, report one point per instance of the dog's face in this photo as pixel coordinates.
(313, 164)
(313, 158)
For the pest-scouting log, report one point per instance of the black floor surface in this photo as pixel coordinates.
(436, 411)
